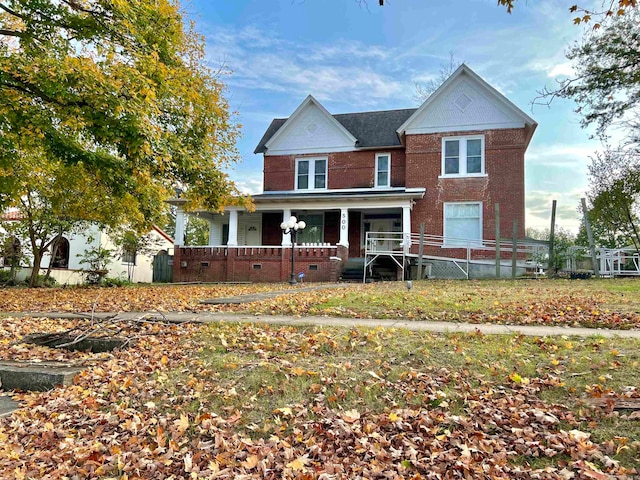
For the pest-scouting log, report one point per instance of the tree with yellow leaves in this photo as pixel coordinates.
(119, 90)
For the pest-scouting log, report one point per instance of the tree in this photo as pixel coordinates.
(607, 9)
(606, 85)
(563, 241)
(614, 195)
(53, 199)
(196, 230)
(446, 69)
(119, 89)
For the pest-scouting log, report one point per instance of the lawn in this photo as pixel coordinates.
(605, 303)
(258, 401)
(234, 400)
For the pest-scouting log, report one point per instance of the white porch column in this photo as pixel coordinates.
(233, 228)
(215, 233)
(406, 228)
(344, 227)
(286, 238)
(178, 238)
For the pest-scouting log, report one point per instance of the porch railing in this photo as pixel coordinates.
(248, 251)
(460, 251)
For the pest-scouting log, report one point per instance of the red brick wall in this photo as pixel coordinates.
(504, 183)
(420, 166)
(249, 265)
(346, 169)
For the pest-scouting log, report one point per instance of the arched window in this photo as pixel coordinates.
(60, 253)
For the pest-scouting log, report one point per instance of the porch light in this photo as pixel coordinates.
(292, 227)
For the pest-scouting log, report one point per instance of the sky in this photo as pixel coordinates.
(357, 56)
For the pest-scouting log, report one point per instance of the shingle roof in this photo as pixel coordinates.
(372, 129)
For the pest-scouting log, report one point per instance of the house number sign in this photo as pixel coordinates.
(343, 221)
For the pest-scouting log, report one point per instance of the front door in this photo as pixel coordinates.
(252, 235)
(380, 227)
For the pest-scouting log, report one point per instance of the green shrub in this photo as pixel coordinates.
(43, 281)
(116, 282)
(6, 277)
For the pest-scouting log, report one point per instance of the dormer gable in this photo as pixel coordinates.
(465, 102)
(310, 129)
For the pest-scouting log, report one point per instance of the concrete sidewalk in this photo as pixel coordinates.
(422, 325)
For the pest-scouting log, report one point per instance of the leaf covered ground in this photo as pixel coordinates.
(600, 303)
(258, 401)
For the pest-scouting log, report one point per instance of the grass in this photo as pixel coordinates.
(269, 375)
(608, 303)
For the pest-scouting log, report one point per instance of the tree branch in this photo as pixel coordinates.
(12, 33)
(13, 12)
(30, 89)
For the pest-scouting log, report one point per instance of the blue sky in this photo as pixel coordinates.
(358, 58)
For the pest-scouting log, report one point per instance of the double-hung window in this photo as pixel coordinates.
(311, 173)
(462, 224)
(383, 170)
(463, 156)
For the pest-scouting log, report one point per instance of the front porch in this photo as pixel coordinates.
(251, 246)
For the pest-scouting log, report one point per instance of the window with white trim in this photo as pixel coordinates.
(463, 156)
(311, 173)
(383, 170)
(462, 222)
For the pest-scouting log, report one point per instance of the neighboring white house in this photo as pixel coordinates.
(67, 268)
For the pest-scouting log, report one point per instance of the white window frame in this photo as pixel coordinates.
(376, 184)
(312, 172)
(463, 157)
(474, 243)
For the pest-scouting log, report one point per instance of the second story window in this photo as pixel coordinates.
(311, 173)
(463, 156)
(383, 170)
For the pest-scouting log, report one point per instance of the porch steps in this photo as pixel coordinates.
(353, 270)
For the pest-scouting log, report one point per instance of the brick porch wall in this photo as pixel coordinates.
(263, 264)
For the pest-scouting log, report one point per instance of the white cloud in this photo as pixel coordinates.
(249, 184)
(538, 209)
(564, 69)
(329, 72)
(560, 154)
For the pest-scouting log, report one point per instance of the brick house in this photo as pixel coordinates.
(445, 165)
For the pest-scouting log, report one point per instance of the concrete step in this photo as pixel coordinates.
(36, 376)
(7, 406)
(89, 344)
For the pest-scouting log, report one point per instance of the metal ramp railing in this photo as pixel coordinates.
(400, 246)
(612, 262)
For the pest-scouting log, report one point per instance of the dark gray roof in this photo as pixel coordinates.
(371, 129)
